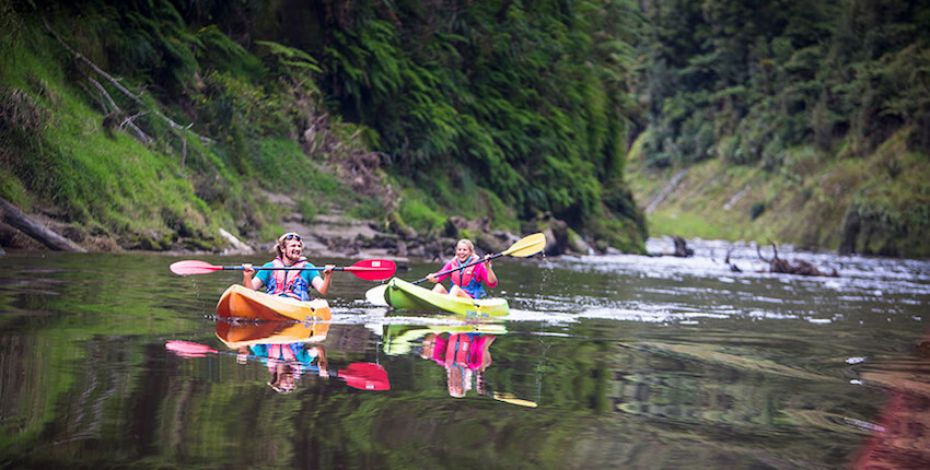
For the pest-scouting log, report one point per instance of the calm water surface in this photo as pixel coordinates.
(605, 362)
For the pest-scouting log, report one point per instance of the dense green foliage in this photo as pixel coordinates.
(480, 104)
(830, 99)
(520, 95)
(507, 110)
(747, 80)
(67, 145)
(488, 109)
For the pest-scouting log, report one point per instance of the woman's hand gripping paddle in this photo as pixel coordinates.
(369, 269)
(526, 246)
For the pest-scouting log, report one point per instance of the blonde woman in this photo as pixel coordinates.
(468, 282)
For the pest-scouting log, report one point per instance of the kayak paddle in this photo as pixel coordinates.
(526, 246)
(509, 398)
(360, 375)
(189, 348)
(369, 269)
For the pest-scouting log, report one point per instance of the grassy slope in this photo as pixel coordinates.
(111, 182)
(805, 202)
(113, 187)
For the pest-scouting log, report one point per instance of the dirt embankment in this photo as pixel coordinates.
(333, 234)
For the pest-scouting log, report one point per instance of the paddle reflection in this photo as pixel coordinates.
(292, 351)
(463, 351)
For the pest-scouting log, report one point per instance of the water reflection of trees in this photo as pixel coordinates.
(602, 403)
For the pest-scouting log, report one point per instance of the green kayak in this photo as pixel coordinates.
(401, 294)
(400, 339)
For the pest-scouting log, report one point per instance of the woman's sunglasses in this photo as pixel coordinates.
(291, 236)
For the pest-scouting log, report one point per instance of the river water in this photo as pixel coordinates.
(605, 362)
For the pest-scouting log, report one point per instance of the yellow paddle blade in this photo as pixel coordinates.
(508, 398)
(527, 246)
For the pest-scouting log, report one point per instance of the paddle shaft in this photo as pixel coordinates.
(208, 350)
(315, 268)
(360, 375)
(443, 273)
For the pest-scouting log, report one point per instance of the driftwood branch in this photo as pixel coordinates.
(15, 218)
(733, 267)
(681, 248)
(129, 120)
(103, 92)
(140, 135)
(119, 86)
(801, 268)
(759, 253)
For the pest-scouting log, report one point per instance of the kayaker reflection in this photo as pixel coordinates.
(465, 356)
(295, 284)
(286, 362)
(468, 282)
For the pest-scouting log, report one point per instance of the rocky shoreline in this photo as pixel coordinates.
(332, 234)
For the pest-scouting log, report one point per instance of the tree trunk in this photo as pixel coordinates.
(15, 218)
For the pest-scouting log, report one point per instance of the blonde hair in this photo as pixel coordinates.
(468, 243)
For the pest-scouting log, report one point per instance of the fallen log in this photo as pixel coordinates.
(15, 218)
(800, 268)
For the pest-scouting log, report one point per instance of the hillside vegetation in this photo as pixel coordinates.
(152, 124)
(786, 121)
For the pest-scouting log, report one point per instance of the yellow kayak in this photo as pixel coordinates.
(401, 294)
(240, 302)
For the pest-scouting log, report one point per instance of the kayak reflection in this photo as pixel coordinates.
(287, 362)
(284, 348)
(235, 335)
(293, 350)
(289, 350)
(465, 356)
(463, 351)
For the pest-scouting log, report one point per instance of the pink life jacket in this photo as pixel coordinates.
(458, 349)
(463, 277)
(283, 283)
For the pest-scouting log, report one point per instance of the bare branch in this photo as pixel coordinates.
(103, 92)
(119, 86)
(139, 134)
(759, 253)
(129, 120)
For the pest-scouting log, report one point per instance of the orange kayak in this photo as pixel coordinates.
(236, 336)
(240, 302)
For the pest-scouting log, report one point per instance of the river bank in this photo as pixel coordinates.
(334, 234)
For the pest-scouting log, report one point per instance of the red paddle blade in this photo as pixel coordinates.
(188, 348)
(365, 376)
(186, 268)
(373, 269)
